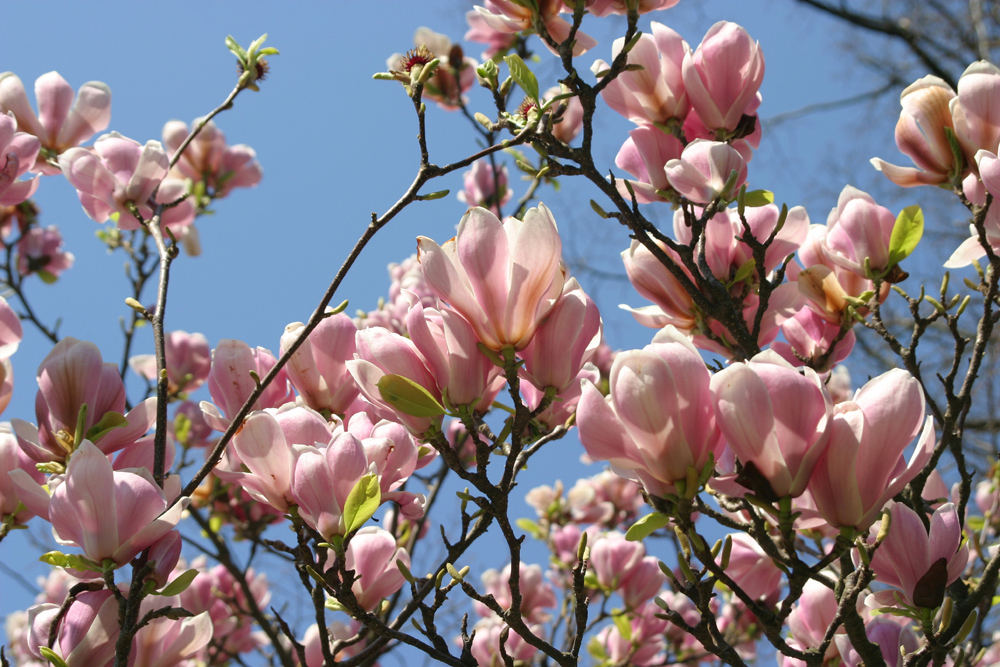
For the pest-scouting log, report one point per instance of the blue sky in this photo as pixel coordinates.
(336, 145)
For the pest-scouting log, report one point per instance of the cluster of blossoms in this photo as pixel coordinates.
(831, 520)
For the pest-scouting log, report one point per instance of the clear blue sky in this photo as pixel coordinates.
(336, 145)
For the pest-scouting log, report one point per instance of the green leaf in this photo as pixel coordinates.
(522, 75)
(530, 527)
(754, 198)
(906, 234)
(645, 526)
(742, 273)
(975, 522)
(623, 624)
(182, 428)
(51, 656)
(362, 502)
(408, 397)
(73, 561)
(178, 585)
(110, 420)
(46, 277)
(235, 47)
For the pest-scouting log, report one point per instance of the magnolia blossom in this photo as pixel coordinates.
(480, 31)
(13, 458)
(40, 251)
(87, 634)
(485, 187)
(318, 369)
(503, 278)
(372, 554)
(809, 337)
(207, 158)
(974, 111)
(894, 640)
(752, 569)
(863, 466)
(188, 357)
(702, 172)
(565, 341)
(18, 151)
(657, 420)
(655, 93)
(109, 513)
(921, 133)
(644, 155)
(537, 596)
(118, 173)
(57, 125)
(723, 75)
(566, 115)
(919, 562)
(774, 417)
(231, 384)
(971, 249)
(509, 16)
(644, 645)
(858, 229)
(605, 7)
(71, 376)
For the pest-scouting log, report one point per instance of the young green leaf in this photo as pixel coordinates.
(522, 75)
(645, 526)
(408, 397)
(362, 502)
(178, 585)
(906, 234)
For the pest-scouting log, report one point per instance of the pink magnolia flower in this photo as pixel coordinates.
(215, 592)
(394, 454)
(57, 126)
(486, 643)
(372, 554)
(189, 361)
(166, 642)
(673, 304)
(989, 171)
(859, 229)
(774, 417)
(921, 134)
(41, 251)
(723, 75)
(86, 635)
(318, 369)
(921, 563)
(863, 466)
(657, 420)
(624, 567)
(655, 93)
(207, 158)
(752, 569)
(382, 353)
(480, 31)
(262, 448)
(537, 596)
(975, 110)
(703, 170)
(109, 513)
(447, 343)
(18, 151)
(605, 7)
(230, 382)
(13, 458)
(567, 115)
(893, 639)
(509, 16)
(644, 155)
(336, 631)
(808, 336)
(11, 332)
(812, 614)
(485, 187)
(72, 375)
(117, 172)
(503, 278)
(645, 643)
(565, 341)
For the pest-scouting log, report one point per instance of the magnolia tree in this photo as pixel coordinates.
(752, 501)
